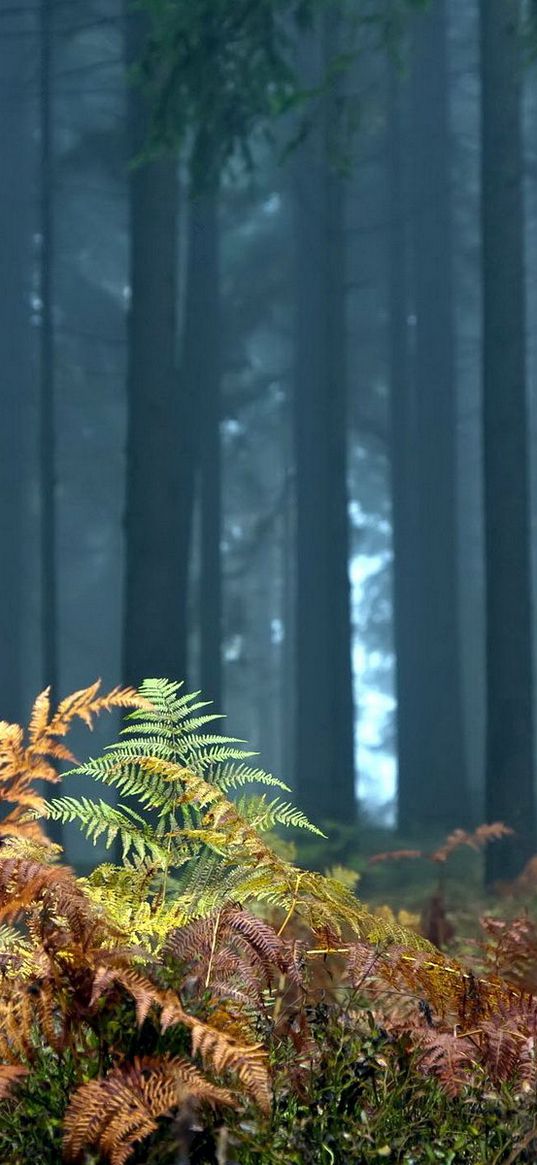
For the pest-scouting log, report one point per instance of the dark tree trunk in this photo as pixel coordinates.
(433, 789)
(201, 375)
(47, 406)
(158, 487)
(402, 452)
(510, 787)
(17, 179)
(47, 376)
(324, 752)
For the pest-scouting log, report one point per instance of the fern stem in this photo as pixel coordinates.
(279, 1001)
(162, 891)
(329, 951)
(164, 886)
(291, 910)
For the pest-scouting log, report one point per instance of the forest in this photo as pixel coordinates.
(268, 469)
(267, 384)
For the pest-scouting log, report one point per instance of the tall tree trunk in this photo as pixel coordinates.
(402, 452)
(47, 376)
(47, 407)
(202, 376)
(158, 489)
(17, 178)
(324, 752)
(434, 791)
(510, 789)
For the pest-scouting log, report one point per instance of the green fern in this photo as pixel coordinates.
(98, 817)
(198, 849)
(265, 815)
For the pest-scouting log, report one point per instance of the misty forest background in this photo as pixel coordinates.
(268, 385)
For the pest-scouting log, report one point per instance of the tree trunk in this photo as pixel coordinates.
(201, 375)
(158, 486)
(433, 792)
(510, 789)
(402, 455)
(47, 406)
(324, 741)
(47, 377)
(17, 178)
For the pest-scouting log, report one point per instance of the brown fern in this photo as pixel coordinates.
(453, 992)
(457, 1020)
(25, 762)
(506, 1052)
(218, 1049)
(114, 1113)
(510, 949)
(232, 942)
(476, 840)
(459, 837)
(450, 1058)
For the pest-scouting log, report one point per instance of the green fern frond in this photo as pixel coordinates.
(11, 938)
(119, 771)
(98, 817)
(167, 705)
(232, 776)
(264, 815)
(151, 744)
(191, 724)
(205, 740)
(208, 758)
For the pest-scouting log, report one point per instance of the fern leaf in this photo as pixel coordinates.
(446, 1056)
(40, 717)
(115, 1113)
(264, 815)
(86, 704)
(98, 817)
(235, 776)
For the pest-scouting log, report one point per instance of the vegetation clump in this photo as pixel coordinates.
(204, 999)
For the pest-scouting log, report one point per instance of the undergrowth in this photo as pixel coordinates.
(208, 1000)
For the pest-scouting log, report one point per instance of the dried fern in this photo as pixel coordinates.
(26, 760)
(114, 1113)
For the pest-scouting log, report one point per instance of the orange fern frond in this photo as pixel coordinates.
(86, 704)
(476, 840)
(138, 986)
(23, 764)
(54, 905)
(39, 717)
(23, 883)
(453, 992)
(221, 1052)
(115, 1113)
(395, 855)
(217, 1048)
(459, 837)
(248, 1062)
(32, 1014)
